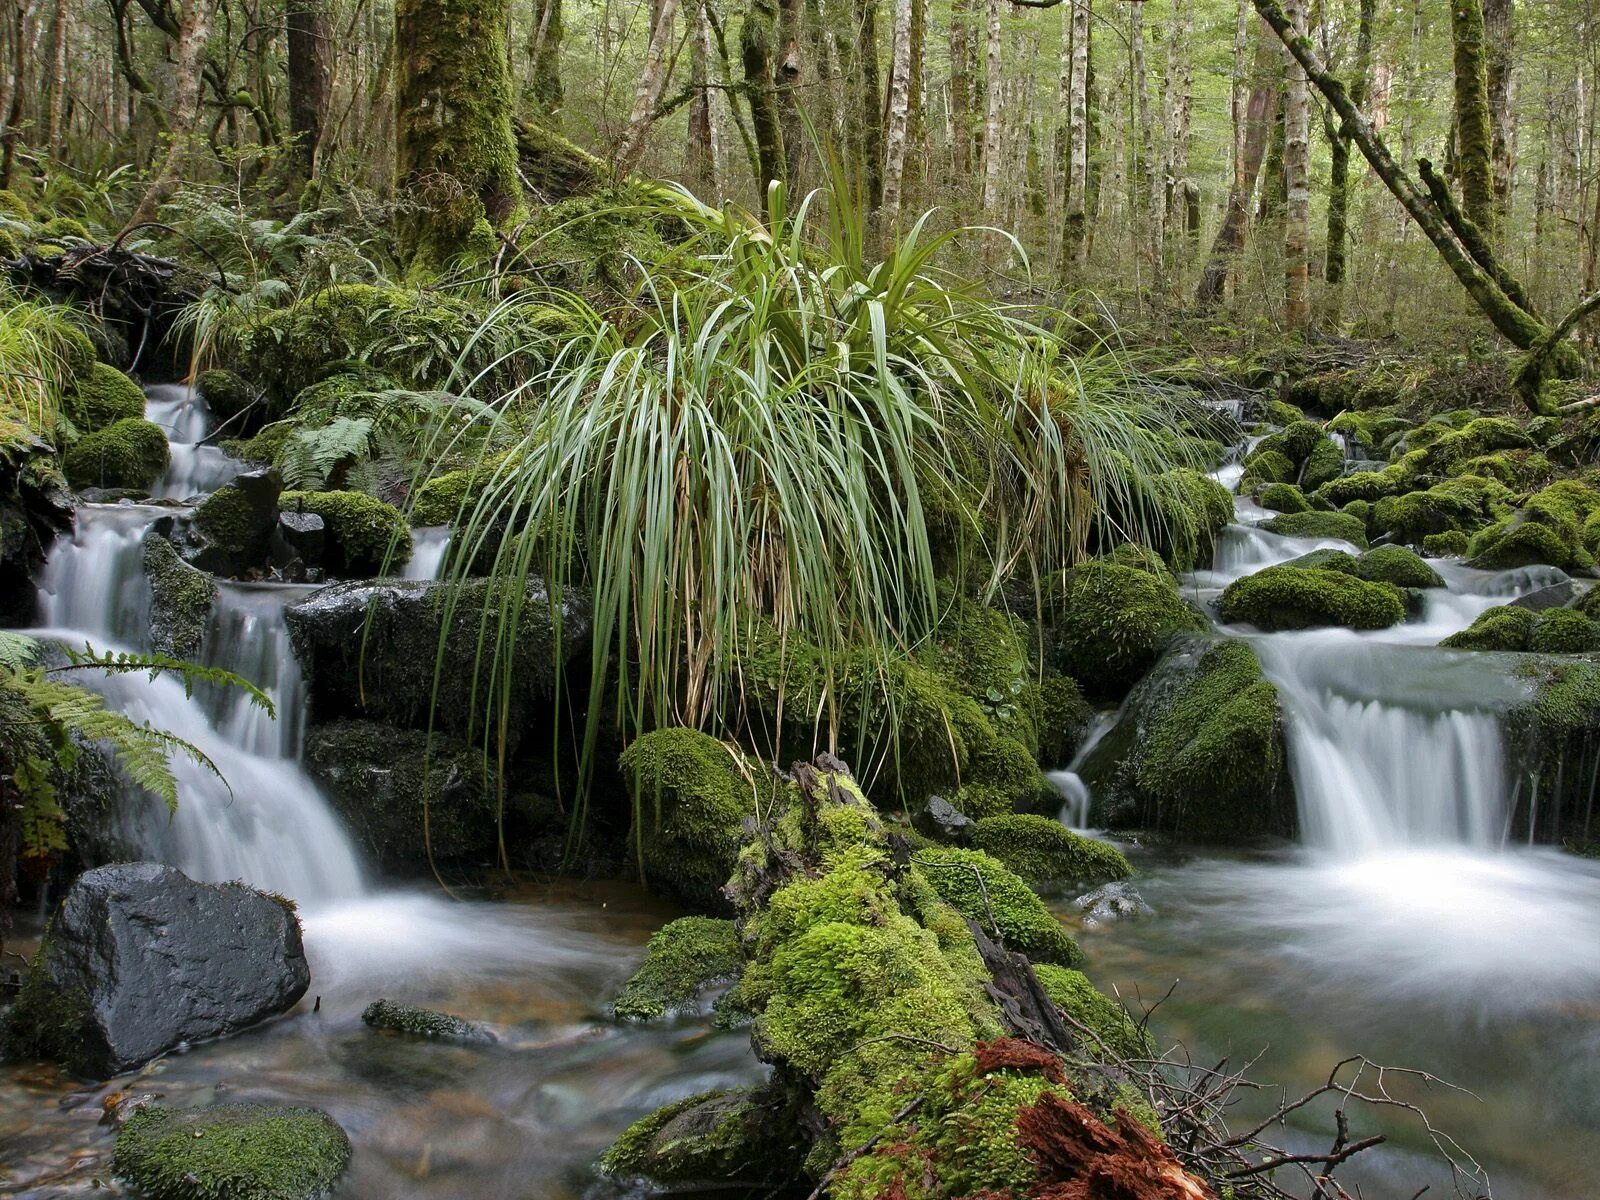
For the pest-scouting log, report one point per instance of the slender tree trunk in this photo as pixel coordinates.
(647, 93)
(544, 58)
(755, 46)
(1500, 28)
(310, 75)
(16, 85)
(1144, 176)
(994, 112)
(899, 118)
(786, 78)
(869, 102)
(1180, 100)
(188, 61)
(1258, 120)
(1297, 183)
(1077, 180)
(1474, 138)
(702, 159)
(961, 68)
(59, 32)
(1339, 173)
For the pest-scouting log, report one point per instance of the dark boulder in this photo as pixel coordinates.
(369, 648)
(140, 958)
(35, 505)
(298, 543)
(942, 821)
(1557, 595)
(181, 598)
(231, 531)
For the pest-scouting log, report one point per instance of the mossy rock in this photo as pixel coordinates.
(1283, 498)
(231, 1152)
(1046, 855)
(1066, 717)
(1115, 622)
(58, 229)
(1522, 543)
(104, 397)
(1319, 525)
(1564, 631)
(130, 453)
(1452, 544)
(715, 1138)
(226, 394)
(1370, 486)
(1194, 509)
(691, 795)
(1504, 627)
(1464, 504)
(181, 599)
(1397, 565)
(265, 446)
(365, 535)
(1323, 465)
(985, 890)
(1269, 465)
(684, 958)
(1074, 993)
(1519, 470)
(1287, 597)
(423, 1023)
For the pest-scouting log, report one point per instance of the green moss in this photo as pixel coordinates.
(1285, 597)
(1505, 627)
(1066, 716)
(1564, 631)
(102, 398)
(442, 499)
(1283, 498)
(1319, 525)
(61, 228)
(1193, 510)
(1323, 465)
(711, 1137)
(130, 453)
(232, 521)
(365, 535)
(684, 958)
(690, 793)
(1327, 560)
(1370, 486)
(1519, 470)
(1451, 544)
(1115, 622)
(422, 1022)
(180, 599)
(1464, 504)
(225, 393)
(983, 889)
(1399, 566)
(231, 1152)
(264, 447)
(1521, 543)
(984, 652)
(1046, 855)
(1075, 995)
(1269, 465)
(13, 205)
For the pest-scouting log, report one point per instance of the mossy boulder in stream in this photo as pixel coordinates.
(684, 959)
(129, 453)
(1290, 597)
(103, 397)
(1342, 526)
(1198, 751)
(365, 535)
(226, 394)
(181, 598)
(1283, 498)
(1461, 505)
(231, 529)
(231, 1152)
(983, 889)
(1504, 627)
(1115, 621)
(1046, 854)
(408, 1019)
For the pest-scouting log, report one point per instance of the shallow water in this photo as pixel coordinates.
(518, 1120)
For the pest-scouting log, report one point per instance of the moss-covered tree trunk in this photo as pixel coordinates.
(1339, 174)
(188, 64)
(1258, 119)
(1500, 27)
(1474, 138)
(544, 57)
(310, 74)
(756, 43)
(1297, 184)
(456, 151)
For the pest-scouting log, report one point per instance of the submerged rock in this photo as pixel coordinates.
(1113, 902)
(423, 1022)
(140, 958)
(232, 1152)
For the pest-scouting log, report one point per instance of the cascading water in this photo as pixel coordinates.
(429, 544)
(193, 467)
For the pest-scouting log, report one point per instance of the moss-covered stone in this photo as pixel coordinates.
(236, 521)
(1115, 622)
(1504, 627)
(1370, 486)
(1193, 509)
(1076, 995)
(1451, 544)
(983, 889)
(1517, 542)
(713, 1138)
(1283, 498)
(265, 446)
(180, 599)
(1046, 855)
(1319, 525)
(365, 535)
(1564, 631)
(1268, 464)
(226, 393)
(423, 1022)
(1066, 716)
(1288, 597)
(684, 958)
(1464, 504)
(691, 795)
(130, 453)
(103, 397)
(1399, 566)
(230, 1152)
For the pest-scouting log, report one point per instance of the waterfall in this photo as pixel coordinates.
(428, 546)
(265, 821)
(193, 468)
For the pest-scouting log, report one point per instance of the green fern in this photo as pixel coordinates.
(311, 456)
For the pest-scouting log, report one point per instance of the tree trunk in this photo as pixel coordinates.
(1474, 138)
(899, 118)
(1180, 99)
(869, 103)
(1258, 120)
(1144, 175)
(1339, 174)
(456, 150)
(544, 58)
(647, 94)
(1077, 181)
(188, 61)
(1500, 28)
(310, 58)
(961, 66)
(702, 159)
(58, 77)
(786, 78)
(1297, 183)
(994, 111)
(755, 47)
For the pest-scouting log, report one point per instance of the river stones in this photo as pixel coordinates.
(259, 1151)
(423, 1022)
(140, 958)
(1110, 903)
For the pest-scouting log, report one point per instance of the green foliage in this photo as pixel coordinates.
(1075, 995)
(44, 354)
(309, 457)
(103, 397)
(1463, 504)
(1283, 498)
(1046, 855)
(1115, 620)
(983, 889)
(226, 394)
(684, 958)
(130, 453)
(365, 535)
(1289, 597)
(1564, 631)
(231, 1152)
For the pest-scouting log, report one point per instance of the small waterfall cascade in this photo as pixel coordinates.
(193, 468)
(1075, 795)
(264, 821)
(429, 544)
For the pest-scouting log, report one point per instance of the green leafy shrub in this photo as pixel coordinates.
(130, 453)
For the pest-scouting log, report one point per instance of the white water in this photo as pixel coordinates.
(428, 546)
(193, 469)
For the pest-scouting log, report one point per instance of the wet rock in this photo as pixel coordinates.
(1112, 902)
(298, 542)
(942, 821)
(1556, 595)
(369, 648)
(181, 597)
(140, 958)
(231, 531)
(35, 505)
(260, 1151)
(423, 1022)
(380, 778)
(88, 795)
